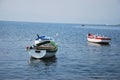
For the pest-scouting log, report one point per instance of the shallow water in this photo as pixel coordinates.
(75, 59)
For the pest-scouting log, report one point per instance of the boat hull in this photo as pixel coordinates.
(98, 41)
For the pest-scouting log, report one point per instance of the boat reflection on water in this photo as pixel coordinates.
(42, 62)
(96, 44)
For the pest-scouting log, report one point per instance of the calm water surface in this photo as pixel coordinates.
(76, 59)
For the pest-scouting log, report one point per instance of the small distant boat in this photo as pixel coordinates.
(98, 39)
(83, 25)
(44, 47)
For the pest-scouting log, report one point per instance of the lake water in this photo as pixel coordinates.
(76, 59)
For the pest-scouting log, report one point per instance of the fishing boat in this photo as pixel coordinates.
(44, 47)
(98, 39)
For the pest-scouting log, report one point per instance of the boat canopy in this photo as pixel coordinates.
(43, 38)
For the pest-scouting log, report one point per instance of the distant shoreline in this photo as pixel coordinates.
(63, 23)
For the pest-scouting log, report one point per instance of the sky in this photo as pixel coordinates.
(61, 11)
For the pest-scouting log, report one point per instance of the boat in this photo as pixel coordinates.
(98, 38)
(44, 47)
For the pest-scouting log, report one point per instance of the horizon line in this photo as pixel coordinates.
(82, 24)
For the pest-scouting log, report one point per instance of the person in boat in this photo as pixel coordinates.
(89, 34)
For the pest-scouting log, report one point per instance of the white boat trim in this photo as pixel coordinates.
(41, 54)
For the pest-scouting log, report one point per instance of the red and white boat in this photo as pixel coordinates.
(98, 39)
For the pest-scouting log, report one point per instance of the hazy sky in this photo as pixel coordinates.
(61, 11)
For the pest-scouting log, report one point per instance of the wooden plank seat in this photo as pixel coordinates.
(45, 47)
